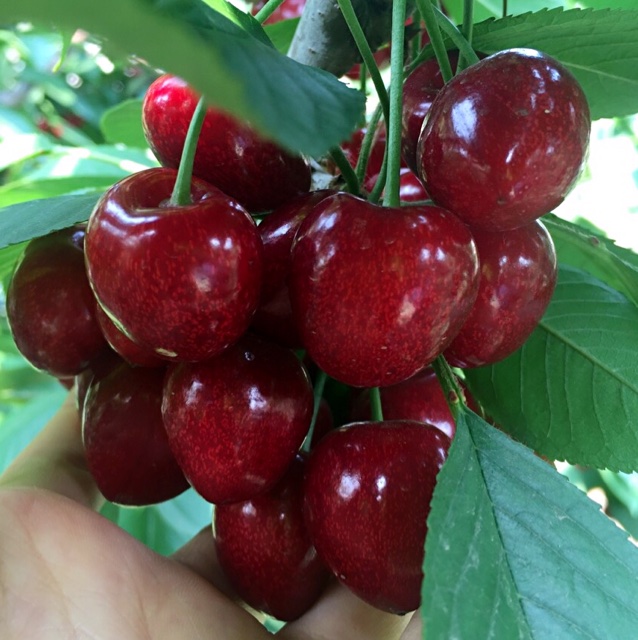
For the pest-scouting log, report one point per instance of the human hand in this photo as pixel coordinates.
(68, 572)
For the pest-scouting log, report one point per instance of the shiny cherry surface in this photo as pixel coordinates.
(230, 155)
(51, 308)
(126, 447)
(181, 281)
(518, 276)
(264, 549)
(368, 491)
(379, 292)
(236, 421)
(505, 139)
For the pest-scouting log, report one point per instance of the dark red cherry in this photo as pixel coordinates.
(182, 281)
(518, 275)
(235, 422)
(379, 292)
(230, 155)
(368, 492)
(51, 308)
(124, 439)
(505, 139)
(264, 549)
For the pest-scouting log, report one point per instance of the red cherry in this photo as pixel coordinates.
(133, 353)
(264, 549)
(51, 308)
(230, 155)
(97, 369)
(273, 318)
(181, 281)
(236, 421)
(410, 187)
(379, 292)
(125, 442)
(419, 398)
(368, 491)
(518, 276)
(505, 139)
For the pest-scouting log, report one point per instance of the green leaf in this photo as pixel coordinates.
(580, 248)
(123, 124)
(36, 218)
(8, 257)
(281, 33)
(599, 47)
(303, 108)
(242, 19)
(571, 391)
(484, 9)
(166, 526)
(515, 551)
(19, 147)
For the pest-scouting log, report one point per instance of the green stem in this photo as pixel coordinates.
(451, 388)
(505, 8)
(427, 11)
(182, 190)
(267, 10)
(393, 124)
(375, 194)
(359, 37)
(366, 144)
(375, 405)
(320, 383)
(466, 29)
(348, 173)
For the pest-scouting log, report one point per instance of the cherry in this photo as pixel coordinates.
(125, 442)
(410, 187)
(264, 549)
(133, 353)
(97, 369)
(379, 292)
(230, 155)
(273, 318)
(51, 308)
(518, 275)
(181, 281)
(505, 139)
(419, 90)
(368, 490)
(236, 421)
(418, 398)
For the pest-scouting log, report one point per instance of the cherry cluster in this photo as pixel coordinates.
(179, 321)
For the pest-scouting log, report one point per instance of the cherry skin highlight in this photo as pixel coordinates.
(182, 281)
(368, 491)
(264, 549)
(259, 174)
(505, 140)
(378, 292)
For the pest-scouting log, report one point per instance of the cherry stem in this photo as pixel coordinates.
(366, 144)
(392, 184)
(359, 37)
(505, 8)
(347, 171)
(376, 409)
(375, 194)
(426, 9)
(182, 190)
(453, 393)
(466, 29)
(459, 40)
(320, 383)
(267, 10)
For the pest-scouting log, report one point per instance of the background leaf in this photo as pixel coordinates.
(515, 551)
(606, 68)
(123, 124)
(281, 33)
(571, 391)
(38, 217)
(580, 248)
(304, 109)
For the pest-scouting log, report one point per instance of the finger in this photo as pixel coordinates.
(340, 614)
(55, 460)
(200, 556)
(414, 630)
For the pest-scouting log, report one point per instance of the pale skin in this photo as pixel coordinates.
(68, 573)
